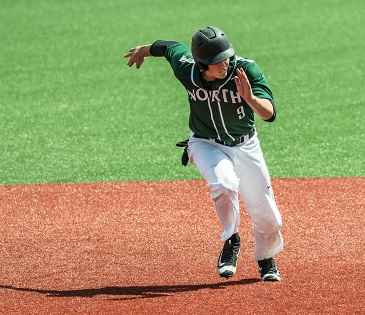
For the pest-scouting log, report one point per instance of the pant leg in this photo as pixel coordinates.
(217, 169)
(258, 196)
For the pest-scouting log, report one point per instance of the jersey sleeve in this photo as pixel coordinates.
(177, 54)
(259, 85)
(179, 57)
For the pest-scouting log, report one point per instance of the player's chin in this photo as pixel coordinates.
(222, 75)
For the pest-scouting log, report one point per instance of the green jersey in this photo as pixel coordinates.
(217, 112)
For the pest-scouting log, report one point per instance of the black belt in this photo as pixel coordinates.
(233, 143)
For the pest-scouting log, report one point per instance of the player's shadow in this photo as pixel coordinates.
(132, 292)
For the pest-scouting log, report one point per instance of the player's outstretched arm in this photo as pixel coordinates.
(137, 54)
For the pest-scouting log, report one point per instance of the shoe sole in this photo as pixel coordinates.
(227, 274)
(226, 271)
(271, 277)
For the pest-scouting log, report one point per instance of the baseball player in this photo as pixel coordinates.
(225, 92)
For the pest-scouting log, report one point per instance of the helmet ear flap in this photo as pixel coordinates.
(203, 67)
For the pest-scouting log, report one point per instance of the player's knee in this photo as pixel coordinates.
(266, 218)
(221, 190)
(268, 227)
(274, 227)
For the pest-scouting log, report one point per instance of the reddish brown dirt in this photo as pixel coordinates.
(151, 248)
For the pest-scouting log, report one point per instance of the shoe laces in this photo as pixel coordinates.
(267, 266)
(230, 251)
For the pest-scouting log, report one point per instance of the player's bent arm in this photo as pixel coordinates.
(263, 108)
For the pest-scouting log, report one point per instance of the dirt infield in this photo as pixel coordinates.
(151, 248)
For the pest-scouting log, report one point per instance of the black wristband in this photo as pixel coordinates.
(158, 48)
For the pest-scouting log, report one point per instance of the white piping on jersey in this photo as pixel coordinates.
(210, 108)
(192, 75)
(212, 118)
(223, 123)
(219, 104)
(245, 59)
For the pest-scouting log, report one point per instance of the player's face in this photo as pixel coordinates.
(217, 71)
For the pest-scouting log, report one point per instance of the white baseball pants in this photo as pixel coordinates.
(242, 170)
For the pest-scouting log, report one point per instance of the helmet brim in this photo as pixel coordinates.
(220, 57)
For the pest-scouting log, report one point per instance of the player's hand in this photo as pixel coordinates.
(243, 86)
(137, 55)
(261, 106)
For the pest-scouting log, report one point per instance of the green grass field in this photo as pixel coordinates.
(72, 111)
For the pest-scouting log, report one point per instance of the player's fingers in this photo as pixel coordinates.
(238, 83)
(131, 52)
(139, 62)
(131, 61)
(241, 74)
(243, 77)
(130, 55)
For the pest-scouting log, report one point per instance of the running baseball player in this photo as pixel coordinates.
(225, 92)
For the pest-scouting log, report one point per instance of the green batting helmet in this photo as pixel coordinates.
(210, 45)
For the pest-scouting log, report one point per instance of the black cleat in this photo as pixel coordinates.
(268, 270)
(227, 261)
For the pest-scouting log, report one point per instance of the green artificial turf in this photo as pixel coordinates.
(72, 111)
